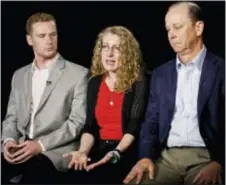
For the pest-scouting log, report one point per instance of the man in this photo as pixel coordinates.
(46, 109)
(182, 137)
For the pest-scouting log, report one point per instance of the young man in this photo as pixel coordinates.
(46, 109)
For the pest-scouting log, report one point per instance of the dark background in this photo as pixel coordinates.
(80, 22)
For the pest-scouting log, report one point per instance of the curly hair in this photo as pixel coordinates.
(130, 59)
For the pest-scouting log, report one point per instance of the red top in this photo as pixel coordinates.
(108, 112)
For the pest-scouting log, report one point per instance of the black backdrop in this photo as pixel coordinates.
(80, 22)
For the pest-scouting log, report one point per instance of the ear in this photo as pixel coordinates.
(29, 40)
(199, 27)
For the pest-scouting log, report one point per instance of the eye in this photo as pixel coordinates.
(41, 35)
(117, 48)
(104, 46)
(53, 34)
(177, 27)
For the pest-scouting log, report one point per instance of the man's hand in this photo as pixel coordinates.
(210, 174)
(144, 165)
(9, 147)
(27, 150)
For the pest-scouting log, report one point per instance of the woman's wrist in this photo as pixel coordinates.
(119, 152)
(86, 152)
(116, 156)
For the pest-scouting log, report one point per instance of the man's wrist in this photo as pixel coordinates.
(216, 163)
(146, 160)
(7, 140)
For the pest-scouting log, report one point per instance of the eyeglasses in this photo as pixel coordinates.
(106, 49)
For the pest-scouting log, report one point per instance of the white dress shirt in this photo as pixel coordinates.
(184, 126)
(39, 82)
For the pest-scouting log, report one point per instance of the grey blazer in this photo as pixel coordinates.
(61, 112)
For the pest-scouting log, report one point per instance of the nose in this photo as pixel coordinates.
(110, 52)
(171, 35)
(48, 39)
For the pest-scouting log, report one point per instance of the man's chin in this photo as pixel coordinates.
(50, 55)
(178, 50)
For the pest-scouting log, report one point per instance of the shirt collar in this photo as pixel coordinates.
(197, 61)
(48, 65)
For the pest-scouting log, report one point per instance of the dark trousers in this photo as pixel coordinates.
(107, 173)
(37, 170)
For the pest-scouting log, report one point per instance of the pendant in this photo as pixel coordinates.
(111, 103)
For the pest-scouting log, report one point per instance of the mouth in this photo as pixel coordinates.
(175, 43)
(49, 49)
(110, 62)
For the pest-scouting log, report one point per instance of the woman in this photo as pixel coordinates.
(116, 98)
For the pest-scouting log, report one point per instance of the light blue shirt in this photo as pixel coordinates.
(184, 126)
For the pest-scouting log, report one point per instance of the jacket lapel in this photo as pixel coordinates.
(53, 79)
(27, 91)
(209, 71)
(171, 89)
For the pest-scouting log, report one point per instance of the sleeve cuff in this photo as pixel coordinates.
(42, 146)
(8, 139)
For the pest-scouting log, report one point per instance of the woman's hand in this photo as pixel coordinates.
(78, 160)
(109, 157)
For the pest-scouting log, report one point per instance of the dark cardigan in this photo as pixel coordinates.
(133, 107)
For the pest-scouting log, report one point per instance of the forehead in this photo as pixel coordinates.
(111, 38)
(177, 14)
(44, 27)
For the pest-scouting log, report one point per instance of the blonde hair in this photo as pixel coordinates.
(130, 59)
(38, 17)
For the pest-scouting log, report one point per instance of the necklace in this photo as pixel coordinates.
(111, 102)
(111, 98)
(111, 92)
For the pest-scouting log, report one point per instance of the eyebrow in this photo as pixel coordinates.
(54, 32)
(175, 24)
(112, 45)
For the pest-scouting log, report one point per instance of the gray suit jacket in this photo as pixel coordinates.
(61, 112)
